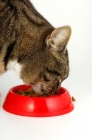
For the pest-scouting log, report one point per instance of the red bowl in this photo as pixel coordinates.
(37, 106)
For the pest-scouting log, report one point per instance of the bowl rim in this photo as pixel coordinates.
(44, 97)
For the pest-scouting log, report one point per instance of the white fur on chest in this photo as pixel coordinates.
(14, 65)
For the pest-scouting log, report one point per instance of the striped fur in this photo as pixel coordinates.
(38, 49)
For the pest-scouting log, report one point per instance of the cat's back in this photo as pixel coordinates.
(15, 14)
(23, 29)
(19, 19)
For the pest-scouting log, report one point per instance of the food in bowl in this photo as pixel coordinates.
(30, 92)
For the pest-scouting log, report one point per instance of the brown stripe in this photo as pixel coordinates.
(30, 6)
(8, 53)
(31, 20)
(4, 8)
(12, 7)
(26, 3)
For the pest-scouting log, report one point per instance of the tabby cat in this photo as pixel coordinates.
(31, 46)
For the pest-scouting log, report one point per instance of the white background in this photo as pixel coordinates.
(76, 125)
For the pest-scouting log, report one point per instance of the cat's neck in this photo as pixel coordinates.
(14, 65)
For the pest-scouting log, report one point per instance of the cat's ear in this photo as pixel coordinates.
(58, 39)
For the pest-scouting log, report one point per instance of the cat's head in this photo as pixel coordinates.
(48, 67)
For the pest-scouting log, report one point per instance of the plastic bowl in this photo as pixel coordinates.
(37, 106)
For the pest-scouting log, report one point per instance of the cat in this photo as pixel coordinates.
(31, 46)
